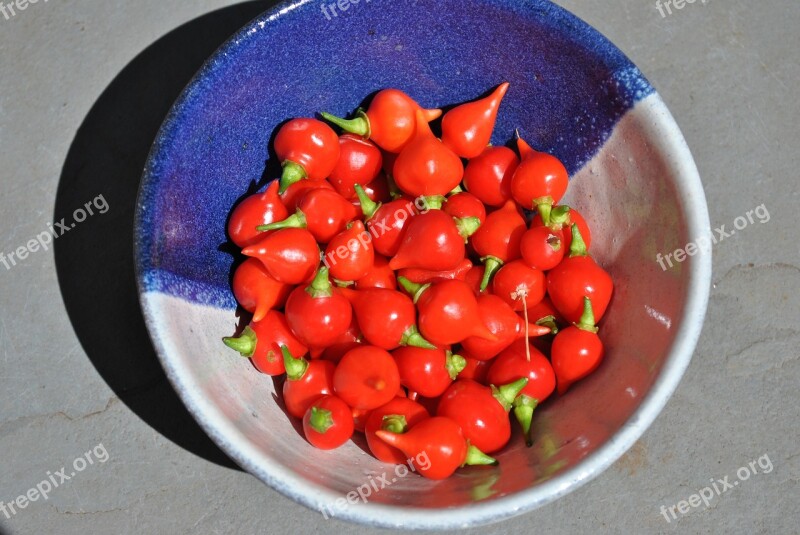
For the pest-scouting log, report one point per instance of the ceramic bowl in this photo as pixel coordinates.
(572, 93)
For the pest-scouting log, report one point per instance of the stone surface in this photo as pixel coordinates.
(725, 69)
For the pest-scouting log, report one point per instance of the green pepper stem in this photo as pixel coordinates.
(413, 289)
(524, 406)
(477, 457)
(559, 215)
(321, 285)
(544, 205)
(548, 321)
(490, 266)
(586, 322)
(295, 367)
(454, 364)
(368, 206)
(320, 420)
(292, 172)
(434, 202)
(457, 189)
(506, 394)
(296, 220)
(467, 226)
(394, 423)
(244, 344)
(358, 125)
(411, 337)
(578, 246)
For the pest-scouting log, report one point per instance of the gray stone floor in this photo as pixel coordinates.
(75, 77)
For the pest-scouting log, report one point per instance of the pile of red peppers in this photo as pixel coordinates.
(397, 282)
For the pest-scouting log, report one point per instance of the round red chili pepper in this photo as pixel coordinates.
(467, 129)
(519, 285)
(289, 255)
(328, 423)
(386, 221)
(261, 342)
(497, 241)
(397, 416)
(501, 321)
(578, 276)
(424, 276)
(259, 209)
(539, 175)
(380, 275)
(542, 248)
(428, 372)
(426, 167)
(463, 204)
(481, 411)
(306, 148)
(306, 382)
(387, 318)
(434, 241)
(319, 313)
(488, 176)
(360, 162)
(350, 254)
(389, 122)
(448, 311)
(520, 361)
(441, 442)
(295, 193)
(323, 212)
(366, 377)
(256, 290)
(577, 350)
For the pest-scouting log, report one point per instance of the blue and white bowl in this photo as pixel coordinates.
(572, 93)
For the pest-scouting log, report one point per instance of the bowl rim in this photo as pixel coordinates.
(690, 194)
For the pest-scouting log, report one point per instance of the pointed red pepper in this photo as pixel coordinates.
(259, 209)
(467, 129)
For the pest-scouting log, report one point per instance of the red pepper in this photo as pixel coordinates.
(463, 205)
(389, 121)
(488, 176)
(350, 254)
(387, 318)
(428, 372)
(501, 321)
(441, 442)
(306, 148)
(289, 255)
(360, 162)
(397, 416)
(467, 129)
(434, 241)
(448, 311)
(539, 176)
(306, 382)
(519, 285)
(323, 212)
(497, 241)
(577, 350)
(578, 276)
(318, 314)
(261, 342)
(426, 167)
(328, 423)
(386, 221)
(481, 411)
(259, 209)
(295, 193)
(366, 378)
(256, 290)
